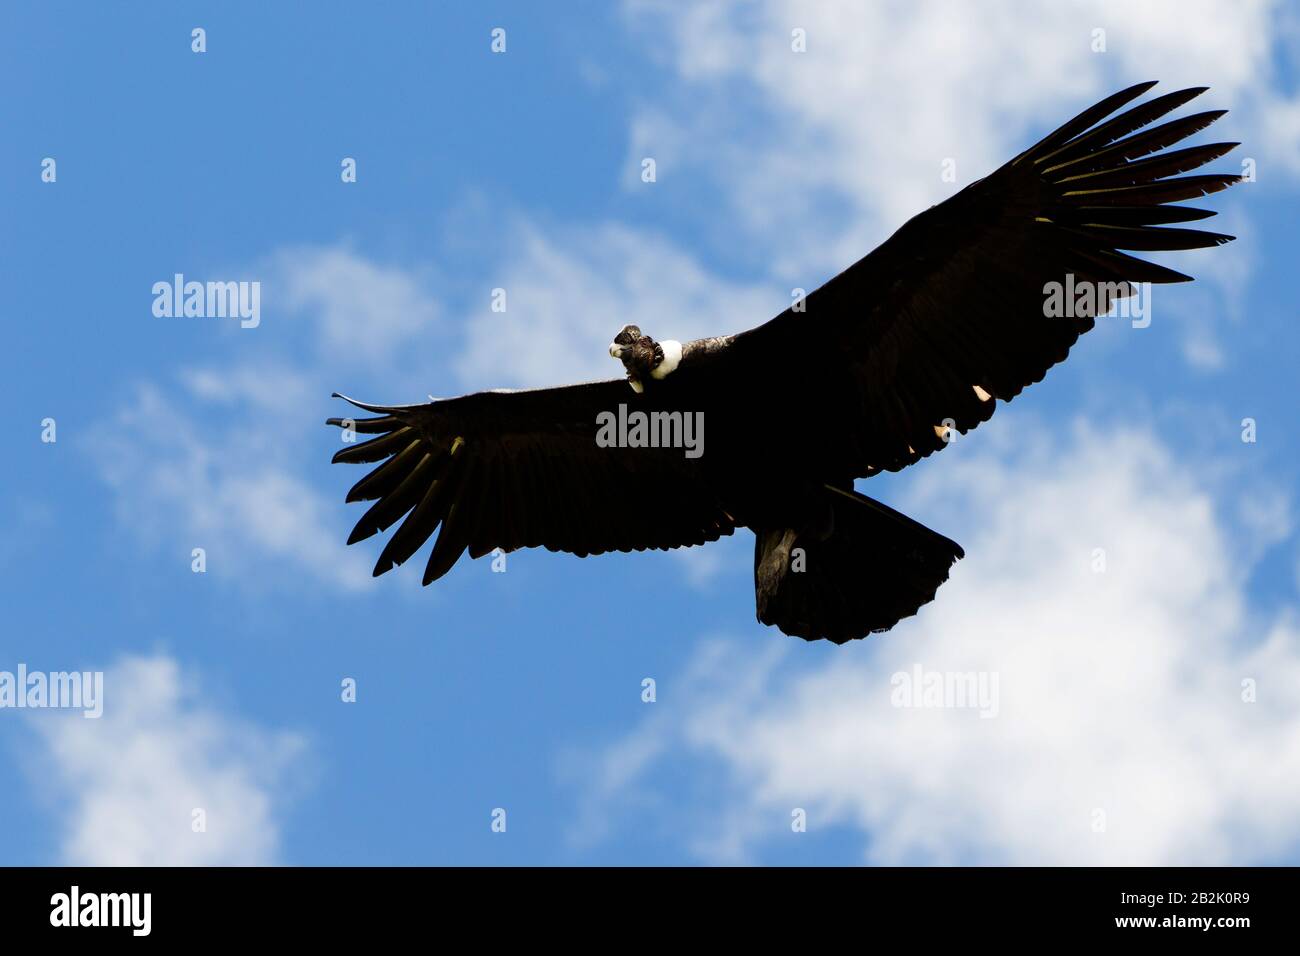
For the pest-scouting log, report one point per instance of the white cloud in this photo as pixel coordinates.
(363, 310)
(703, 566)
(132, 778)
(819, 156)
(1281, 122)
(1119, 691)
(232, 462)
(223, 479)
(268, 387)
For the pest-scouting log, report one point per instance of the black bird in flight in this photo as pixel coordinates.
(924, 335)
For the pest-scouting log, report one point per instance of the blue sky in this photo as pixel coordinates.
(1121, 690)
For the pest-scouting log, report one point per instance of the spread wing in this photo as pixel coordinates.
(949, 314)
(933, 326)
(515, 469)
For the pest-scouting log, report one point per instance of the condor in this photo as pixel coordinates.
(925, 334)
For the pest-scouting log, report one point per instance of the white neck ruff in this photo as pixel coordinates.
(672, 358)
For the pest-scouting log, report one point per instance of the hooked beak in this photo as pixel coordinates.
(615, 350)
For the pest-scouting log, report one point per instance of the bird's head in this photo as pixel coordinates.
(640, 354)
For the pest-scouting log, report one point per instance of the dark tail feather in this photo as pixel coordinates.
(875, 568)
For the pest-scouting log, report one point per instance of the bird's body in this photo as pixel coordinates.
(874, 371)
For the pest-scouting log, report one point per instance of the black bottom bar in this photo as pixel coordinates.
(375, 905)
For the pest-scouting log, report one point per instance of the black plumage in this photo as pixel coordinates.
(927, 332)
